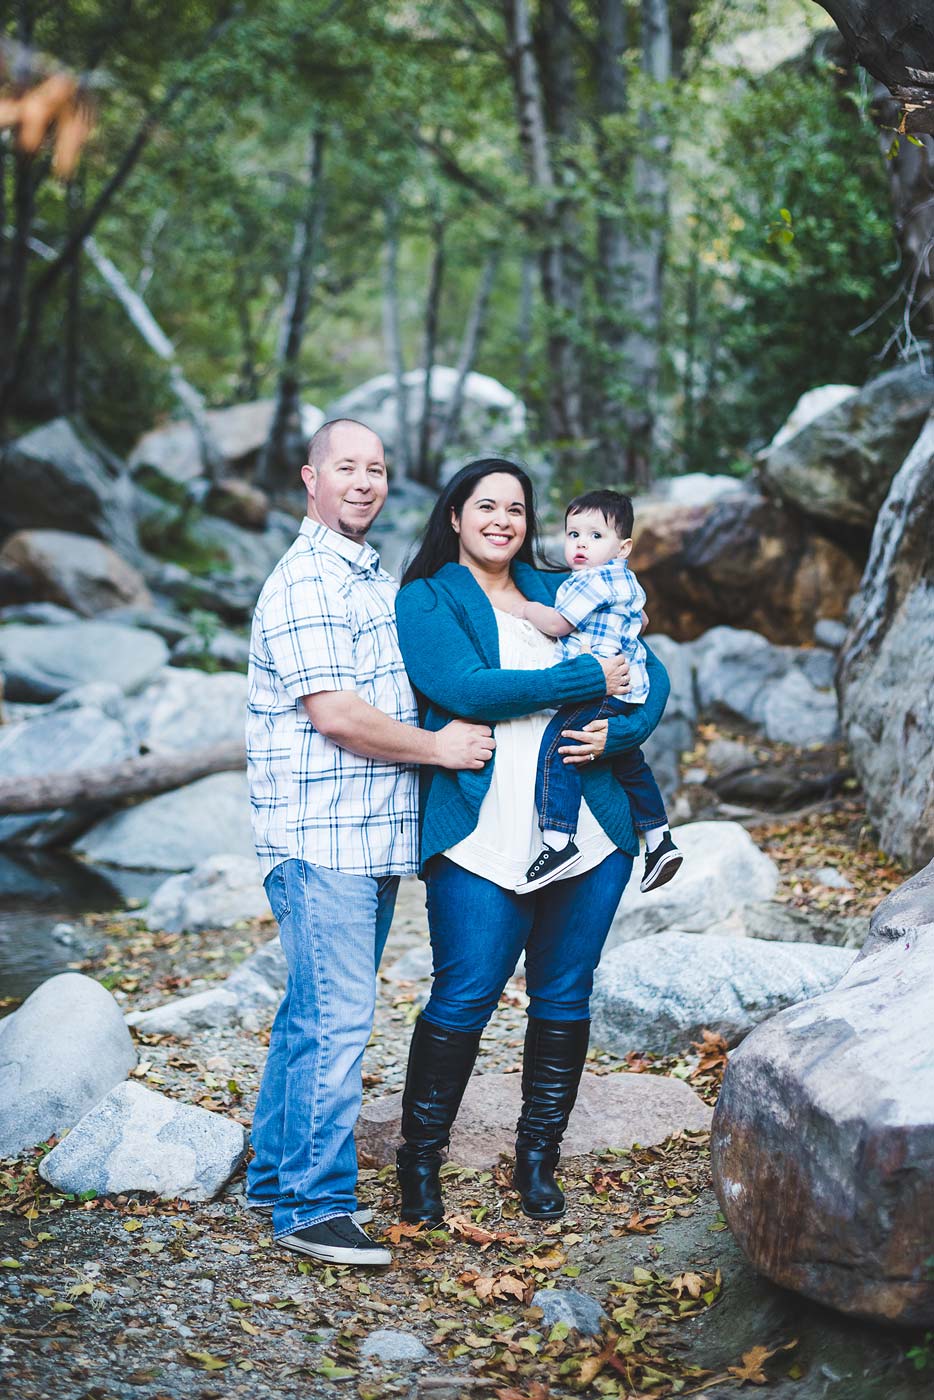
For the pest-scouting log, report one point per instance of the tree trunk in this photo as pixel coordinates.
(608, 394)
(111, 785)
(911, 179)
(392, 335)
(424, 470)
(473, 333)
(285, 444)
(564, 415)
(71, 396)
(895, 42)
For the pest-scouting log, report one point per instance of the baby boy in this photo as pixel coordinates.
(599, 607)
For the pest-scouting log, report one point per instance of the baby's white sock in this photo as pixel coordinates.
(655, 837)
(557, 840)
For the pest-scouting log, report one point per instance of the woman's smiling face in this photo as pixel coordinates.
(492, 523)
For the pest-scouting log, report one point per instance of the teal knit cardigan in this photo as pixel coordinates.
(450, 645)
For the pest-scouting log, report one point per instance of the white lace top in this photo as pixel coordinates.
(507, 837)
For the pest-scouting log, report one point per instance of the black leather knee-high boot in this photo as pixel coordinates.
(552, 1065)
(440, 1062)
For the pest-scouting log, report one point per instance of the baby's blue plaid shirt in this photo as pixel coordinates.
(326, 620)
(605, 605)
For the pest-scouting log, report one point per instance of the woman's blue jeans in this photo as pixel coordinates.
(333, 929)
(478, 930)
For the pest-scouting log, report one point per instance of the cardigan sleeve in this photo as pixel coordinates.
(443, 663)
(631, 731)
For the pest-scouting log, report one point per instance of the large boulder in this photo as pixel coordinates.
(838, 468)
(219, 893)
(76, 571)
(723, 870)
(138, 1140)
(744, 562)
(173, 452)
(812, 404)
(674, 734)
(660, 994)
(612, 1110)
(61, 1052)
(823, 1140)
(188, 709)
(60, 740)
(41, 663)
(247, 997)
(887, 664)
(59, 477)
(176, 830)
(492, 419)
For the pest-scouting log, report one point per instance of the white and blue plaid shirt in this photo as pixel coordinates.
(326, 620)
(605, 605)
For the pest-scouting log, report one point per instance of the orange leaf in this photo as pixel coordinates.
(753, 1361)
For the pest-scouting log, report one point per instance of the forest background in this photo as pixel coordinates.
(658, 224)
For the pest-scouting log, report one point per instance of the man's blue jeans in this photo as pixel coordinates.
(558, 784)
(333, 929)
(479, 929)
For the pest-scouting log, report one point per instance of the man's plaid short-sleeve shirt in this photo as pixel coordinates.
(325, 620)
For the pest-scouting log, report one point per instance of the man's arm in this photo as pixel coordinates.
(348, 721)
(547, 620)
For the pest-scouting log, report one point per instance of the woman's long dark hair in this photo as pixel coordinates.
(440, 544)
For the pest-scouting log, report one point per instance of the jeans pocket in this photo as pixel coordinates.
(277, 892)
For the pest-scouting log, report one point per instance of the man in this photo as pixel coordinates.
(332, 744)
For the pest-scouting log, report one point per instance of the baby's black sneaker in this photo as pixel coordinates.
(661, 864)
(336, 1241)
(547, 866)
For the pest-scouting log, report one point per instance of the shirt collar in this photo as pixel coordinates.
(361, 556)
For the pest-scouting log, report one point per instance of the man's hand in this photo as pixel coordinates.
(616, 670)
(463, 745)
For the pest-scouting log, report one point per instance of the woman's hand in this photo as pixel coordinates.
(616, 671)
(591, 741)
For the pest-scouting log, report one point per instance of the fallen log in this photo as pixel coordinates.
(142, 776)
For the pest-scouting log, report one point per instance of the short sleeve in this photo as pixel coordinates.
(309, 637)
(580, 595)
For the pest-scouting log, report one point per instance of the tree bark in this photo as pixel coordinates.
(117, 782)
(608, 394)
(285, 443)
(392, 335)
(564, 415)
(473, 333)
(911, 180)
(424, 470)
(895, 42)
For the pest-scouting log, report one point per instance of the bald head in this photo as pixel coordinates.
(332, 436)
(345, 477)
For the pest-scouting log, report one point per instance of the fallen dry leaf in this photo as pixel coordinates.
(753, 1360)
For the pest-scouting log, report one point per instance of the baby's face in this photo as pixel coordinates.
(590, 541)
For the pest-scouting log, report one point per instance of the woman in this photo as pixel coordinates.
(469, 657)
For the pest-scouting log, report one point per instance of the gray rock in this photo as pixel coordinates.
(386, 1344)
(75, 571)
(567, 1305)
(820, 667)
(612, 1110)
(38, 614)
(723, 755)
(812, 404)
(41, 663)
(63, 740)
(186, 709)
(796, 712)
(493, 419)
(225, 651)
(415, 965)
(60, 477)
(723, 870)
(658, 995)
(252, 990)
(173, 453)
(780, 923)
(700, 488)
(95, 695)
(61, 1052)
(735, 672)
(169, 626)
(176, 830)
(830, 876)
(137, 1140)
(219, 893)
(675, 734)
(823, 1142)
(838, 468)
(829, 633)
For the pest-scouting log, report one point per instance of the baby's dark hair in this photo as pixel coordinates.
(615, 508)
